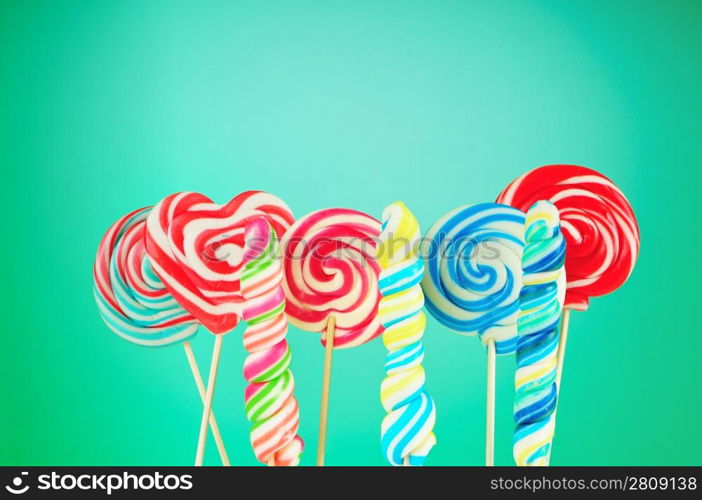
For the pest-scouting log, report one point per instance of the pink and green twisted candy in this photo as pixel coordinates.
(269, 401)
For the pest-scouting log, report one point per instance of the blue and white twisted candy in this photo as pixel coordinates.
(407, 430)
(473, 257)
(540, 311)
(131, 298)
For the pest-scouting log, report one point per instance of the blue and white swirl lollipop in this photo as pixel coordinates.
(473, 258)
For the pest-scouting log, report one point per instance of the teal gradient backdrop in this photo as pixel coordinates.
(109, 106)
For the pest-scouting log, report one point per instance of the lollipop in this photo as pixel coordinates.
(196, 247)
(473, 278)
(269, 401)
(600, 229)
(540, 311)
(134, 303)
(601, 232)
(331, 281)
(406, 433)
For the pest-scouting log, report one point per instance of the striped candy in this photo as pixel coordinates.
(330, 269)
(269, 401)
(196, 247)
(599, 225)
(130, 297)
(540, 310)
(406, 430)
(474, 272)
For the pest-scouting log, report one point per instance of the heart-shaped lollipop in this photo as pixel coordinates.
(197, 248)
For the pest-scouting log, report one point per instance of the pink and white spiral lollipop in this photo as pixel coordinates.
(331, 282)
(330, 270)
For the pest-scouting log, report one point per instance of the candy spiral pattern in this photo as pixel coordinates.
(269, 401)
(196, 247)
(473, 273)
(407, 429)
(600, 228)
(131, 298)
(539, 314)
(330, 269)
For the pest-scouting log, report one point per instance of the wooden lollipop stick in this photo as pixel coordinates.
(201, 389)
(562, 346)
(406, 461)
(326, 384)
(490, 422)
(560, 354)
(207, 411)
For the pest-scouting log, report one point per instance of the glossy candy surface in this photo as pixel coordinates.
(407, 429)
(130, 297)
(196, 247)
(331, 269)
(269, 400)
(599, 225)
(539, 314)
(473, 272)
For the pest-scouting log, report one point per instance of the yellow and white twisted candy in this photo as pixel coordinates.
(407, 430)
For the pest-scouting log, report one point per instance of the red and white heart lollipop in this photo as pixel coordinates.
(196, 246)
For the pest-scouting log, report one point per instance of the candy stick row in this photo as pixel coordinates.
(504, 271)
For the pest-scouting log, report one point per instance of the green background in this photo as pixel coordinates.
(109, 106)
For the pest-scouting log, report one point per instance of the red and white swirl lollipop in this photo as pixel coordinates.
(602, 235)
(599, 225)
(331, 281)
(197, 247)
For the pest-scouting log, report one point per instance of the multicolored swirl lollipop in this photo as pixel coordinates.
(135, 304)
(407, 431)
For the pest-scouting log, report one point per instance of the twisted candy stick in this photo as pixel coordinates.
(269, 401)
(331, 281)
(134, 303)
(473, 256)
(406, 433)
(540, 310)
